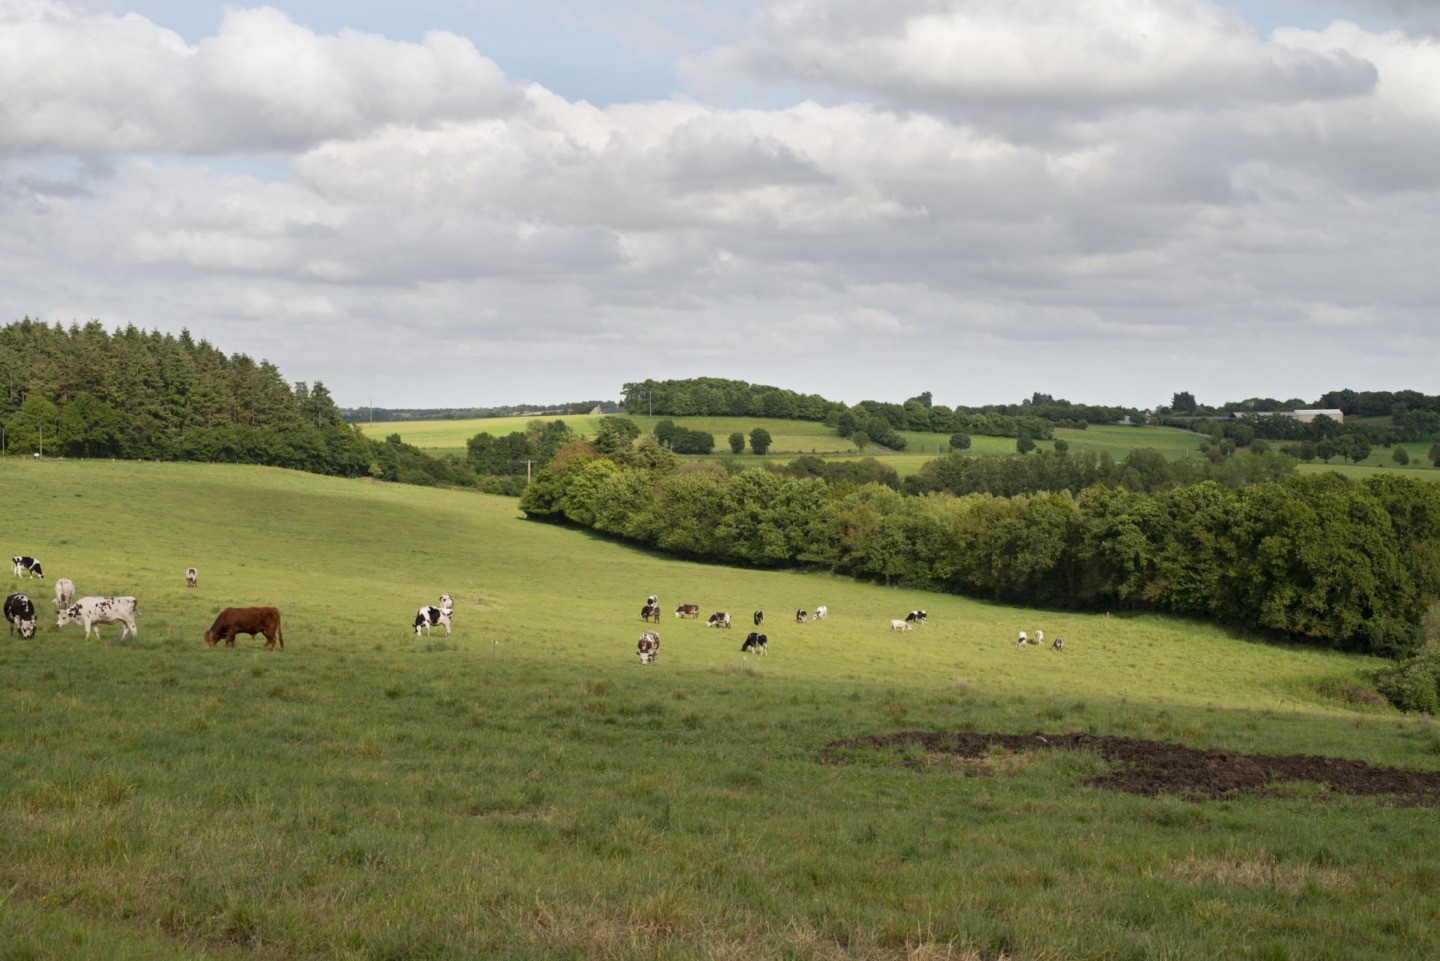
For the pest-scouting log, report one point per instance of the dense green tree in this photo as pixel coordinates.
(1400, 456)
(737, 442)
(959, 441)
(1183, 402)
(615, 434)
(760, 440)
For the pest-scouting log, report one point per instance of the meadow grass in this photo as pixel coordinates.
(524, 788)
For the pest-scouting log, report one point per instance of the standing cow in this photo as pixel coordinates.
(719, 619)
(27, 566)
(759, 618)
(800, 616)
(899, 625)
(246, 620)
(688, 610)
(754, 642)
(821, 613)
(21, 615)
(650, 612)
(92, 611)
(648, 647)
(428, 617)
(64, 592)
(916, 617)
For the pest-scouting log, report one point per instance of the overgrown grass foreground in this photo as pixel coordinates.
(525, 789)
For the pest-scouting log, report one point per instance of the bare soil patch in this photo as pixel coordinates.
(1156, 767)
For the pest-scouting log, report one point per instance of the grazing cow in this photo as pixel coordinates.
(759, 618)
(1040, 638)
(800, 616)
(90, 611)
(719, 619)
(428, 617)
(1059, 644)
(447, 603)
(822, 612)
(64, 592)
(688, 610)
(1022, 640)
(27, 566)
(246, 620)
(650, 612)
(754, 642)
(21, 614)
(192, 577)
(648, 647)
(916, 617)
(899, 625)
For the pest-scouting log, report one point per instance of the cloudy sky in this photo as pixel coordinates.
(472, 202)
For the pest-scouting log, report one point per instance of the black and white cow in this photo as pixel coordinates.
(92, 611)
(648, 647)
(754, 642)
(650, 612)
(759, 618)
(1022, 640)
(21, 615)
(800, 616)
(915, 617)
(428, 617)
(192, 577)
(64, 592)
(821, 613)
(27, 566)
(719, 619)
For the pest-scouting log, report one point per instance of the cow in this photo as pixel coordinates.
(1022, 640)
(899, 625)
(1059, 644)
(916, 617)
(688, 610)
(800, 616)
(821, 613)
(650, 612)
(719, 619)
(91, 611)
(648, 647)
(64, 592)
(21, 615)
(754, 642)
(247, 620)
(428, 617)
(1040, 638)
(192, 577)
(27, 566)
(759, 618)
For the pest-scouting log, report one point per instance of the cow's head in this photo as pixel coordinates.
(67, 614)
(210, 638)
(27, 628)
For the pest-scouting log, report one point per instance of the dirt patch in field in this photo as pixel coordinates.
(1156, 767)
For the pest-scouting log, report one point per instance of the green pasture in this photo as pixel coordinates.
(526, 789)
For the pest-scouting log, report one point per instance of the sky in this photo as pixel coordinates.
(457, 203)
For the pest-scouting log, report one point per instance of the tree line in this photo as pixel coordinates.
(1315, 558)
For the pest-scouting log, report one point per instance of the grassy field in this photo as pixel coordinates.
(525, 789)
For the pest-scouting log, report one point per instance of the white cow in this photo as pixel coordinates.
(64, 592)
(899, 626)
(91, 611)
(1022, 640)
(821, 612)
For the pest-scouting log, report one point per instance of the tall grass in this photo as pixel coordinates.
(524, 788)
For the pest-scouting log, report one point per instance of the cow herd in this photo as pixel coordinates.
(648, 646)
(87, 611)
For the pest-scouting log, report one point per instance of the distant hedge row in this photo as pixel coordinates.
(1317, 558)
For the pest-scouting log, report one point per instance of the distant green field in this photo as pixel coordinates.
(525, 789)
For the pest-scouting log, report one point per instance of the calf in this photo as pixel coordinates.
(246, 620)
(90, 611)
(800, 616)
(822, 612)
(428, 617)
(759, 618)
(192, 577)
(27, 566)
(21, 614)
(648, 647)
(719, 619)
(899, 625)
(754, 642)
(916, 617)
(688, 610)
(650, 612)
(64, 592)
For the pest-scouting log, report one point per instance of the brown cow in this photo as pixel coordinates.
(246, 620)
